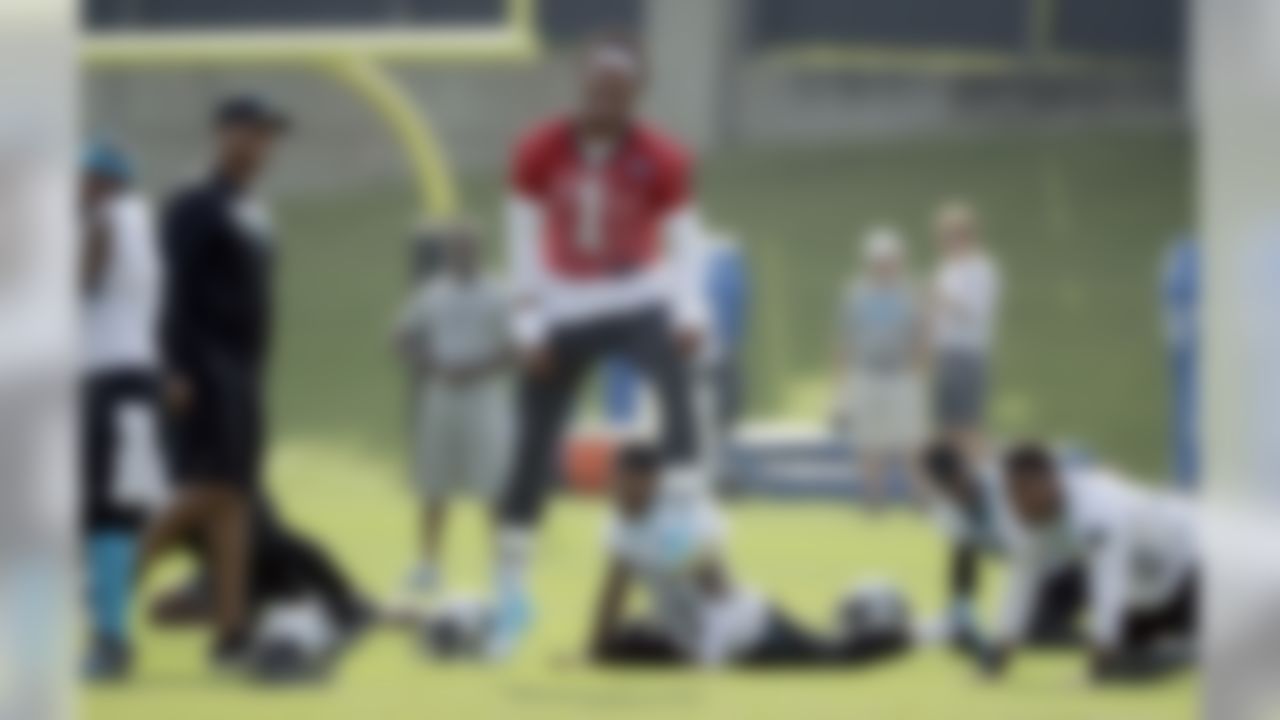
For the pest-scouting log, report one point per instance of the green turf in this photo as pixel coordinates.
(1078, 221)
(802, 554)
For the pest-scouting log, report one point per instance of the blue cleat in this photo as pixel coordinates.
(513, 616)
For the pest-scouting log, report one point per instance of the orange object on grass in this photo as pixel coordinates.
(587, 462)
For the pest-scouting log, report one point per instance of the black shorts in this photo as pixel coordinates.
(1178, 618)
(103, 397)
(220, 438)
(783, 642)
(960, 390)
(639, 643)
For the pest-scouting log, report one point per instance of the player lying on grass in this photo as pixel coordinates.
(286, 570)
(967, 509)
(673, 545)
(1139, 552)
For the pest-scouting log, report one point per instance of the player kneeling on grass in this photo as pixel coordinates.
(673, 544)
(1139, 551)
(969, 512)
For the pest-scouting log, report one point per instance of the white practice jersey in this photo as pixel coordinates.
(123, 308)
(664, 551)
(452, 323)
(1137, 546)
(967, 290)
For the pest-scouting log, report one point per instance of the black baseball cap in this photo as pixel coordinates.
(247, 109)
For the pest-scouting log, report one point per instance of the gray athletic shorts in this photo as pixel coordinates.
(960, 390)
(464, 439)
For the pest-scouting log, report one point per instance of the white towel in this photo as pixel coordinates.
(139, 476)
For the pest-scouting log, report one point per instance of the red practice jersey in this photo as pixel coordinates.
(600, 217)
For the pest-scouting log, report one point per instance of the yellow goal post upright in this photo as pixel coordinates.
(359, 59)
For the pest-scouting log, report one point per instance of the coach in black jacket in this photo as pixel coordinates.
(216, 334)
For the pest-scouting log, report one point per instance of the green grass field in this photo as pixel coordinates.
(1078, 220)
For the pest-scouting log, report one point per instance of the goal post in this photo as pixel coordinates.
(358, 59)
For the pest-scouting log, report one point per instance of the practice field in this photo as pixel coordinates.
(803, 554)
(1079, 221)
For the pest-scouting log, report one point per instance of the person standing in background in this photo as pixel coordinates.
(880, 360)
(965, 308)
(454, 337)
(1180, 300)
(216, 331)
(122, 461)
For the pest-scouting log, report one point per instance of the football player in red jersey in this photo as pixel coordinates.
(603, 250)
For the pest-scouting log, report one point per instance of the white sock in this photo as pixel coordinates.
(514, 554)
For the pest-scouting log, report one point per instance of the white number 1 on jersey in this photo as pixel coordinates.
(590, 212)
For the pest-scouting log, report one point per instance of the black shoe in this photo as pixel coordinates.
(230, 653)
(1056, 637)
(286, 664)
(109, 660)
(187, 605)
(354, 624)
(1142, 667)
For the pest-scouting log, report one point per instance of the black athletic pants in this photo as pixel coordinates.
(284, 565)
(102, 398)
(784, 643)
(643, 338)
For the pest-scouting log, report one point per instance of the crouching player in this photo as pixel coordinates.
(966, 505)
(1139, 552)
(700, 615)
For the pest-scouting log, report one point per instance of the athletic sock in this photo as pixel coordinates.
(513, 547)
(514, 553)
(111, 567)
